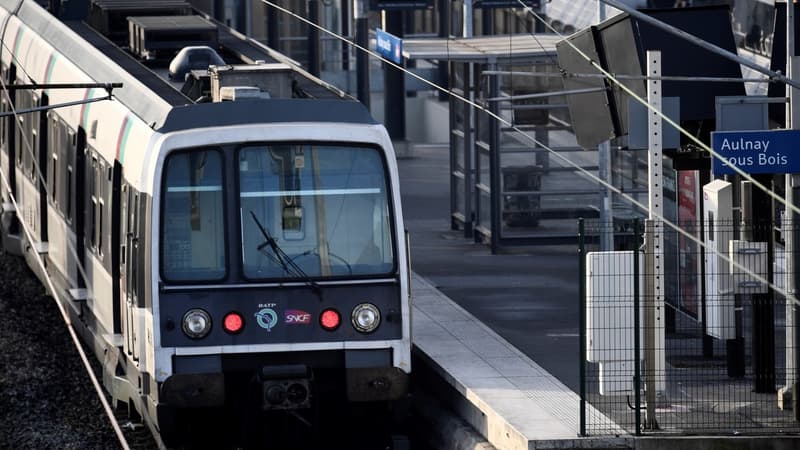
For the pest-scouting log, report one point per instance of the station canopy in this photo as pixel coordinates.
(484, 49)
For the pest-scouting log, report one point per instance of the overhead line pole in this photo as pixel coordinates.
(604, 172)
(791, 237)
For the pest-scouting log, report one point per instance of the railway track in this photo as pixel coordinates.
(46, 399)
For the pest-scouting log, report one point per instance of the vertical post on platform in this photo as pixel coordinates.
(637, 326)
(650, 324)
(606, 213)
(362, 57)
(604, 173)
(347, 23)
(467, 16)
(313, 38)
(273, 34)
(444, 32)
(790, 235)
(655, 356)
(495, 171)
(394, 96)
(582, 327)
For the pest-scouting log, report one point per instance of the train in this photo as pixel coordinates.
(225, 230)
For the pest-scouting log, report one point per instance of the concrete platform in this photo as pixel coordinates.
(503, 394)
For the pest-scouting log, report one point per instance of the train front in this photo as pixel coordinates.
(280, 275)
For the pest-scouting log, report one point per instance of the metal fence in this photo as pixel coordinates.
(712, 348)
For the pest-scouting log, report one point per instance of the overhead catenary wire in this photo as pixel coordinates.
(556, 154)
(49, 282)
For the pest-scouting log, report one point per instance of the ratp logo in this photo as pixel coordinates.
(267, 318)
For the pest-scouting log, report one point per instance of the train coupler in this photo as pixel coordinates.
(285, 387)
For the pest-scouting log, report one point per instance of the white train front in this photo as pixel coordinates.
(205, 250)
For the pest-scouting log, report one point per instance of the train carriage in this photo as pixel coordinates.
(217, 254)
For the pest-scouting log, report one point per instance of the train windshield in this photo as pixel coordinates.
(322, 209)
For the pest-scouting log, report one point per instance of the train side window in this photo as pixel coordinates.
(123, 214)
(21, 130)
(67, 143)
(54, 180)
(100, 205)
(33, 132)
(93, 233)
(93, 199)
(133, 265)
(68, 203)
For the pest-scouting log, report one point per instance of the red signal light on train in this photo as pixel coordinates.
(233, 322)
(330, 319)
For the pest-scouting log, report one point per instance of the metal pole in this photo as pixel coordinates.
(788, 226)
(582, 327)
(699, 42)
(495, 172)
(444, 32)
(604, 173)
(469, 147)
(467, 16)
(650, 325)
(656, 208)
(313, 39)
(346, 31)
(273, 34)
(606, 213)
(763, 317)
(637, 326)
(394, 85)
(362, 58)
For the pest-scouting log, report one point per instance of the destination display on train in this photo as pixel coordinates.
(756, 151)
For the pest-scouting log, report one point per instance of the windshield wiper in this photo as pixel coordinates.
(288, 265)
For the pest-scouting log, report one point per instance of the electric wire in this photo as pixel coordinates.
(631, 200)
(48, 280)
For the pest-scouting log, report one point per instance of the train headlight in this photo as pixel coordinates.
(196, 323)
(366, 317)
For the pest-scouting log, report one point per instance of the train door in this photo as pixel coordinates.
(40, 167)
(116, 248)
(128, 273)
(7, 134)
(76, 186)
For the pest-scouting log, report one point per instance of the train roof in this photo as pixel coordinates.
(148, 95)
(278, 110)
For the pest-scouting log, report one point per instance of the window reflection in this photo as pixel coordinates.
(326, 207)
(193, 244)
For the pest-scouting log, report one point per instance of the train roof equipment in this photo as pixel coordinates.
(133, 42)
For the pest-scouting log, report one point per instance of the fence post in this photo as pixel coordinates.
(637, 345)
(582, 327)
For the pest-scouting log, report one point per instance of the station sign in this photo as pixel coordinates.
(389, 46)
(774, 151)
(393, 5)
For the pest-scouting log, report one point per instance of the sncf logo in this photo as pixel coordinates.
(297, 317)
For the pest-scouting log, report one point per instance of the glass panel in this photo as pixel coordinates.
(193, 228)
(459, 196)
(484, 215)
(325, 208)
(458, 148)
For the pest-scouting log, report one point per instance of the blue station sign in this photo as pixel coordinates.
(776, 151)
(389, 46)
